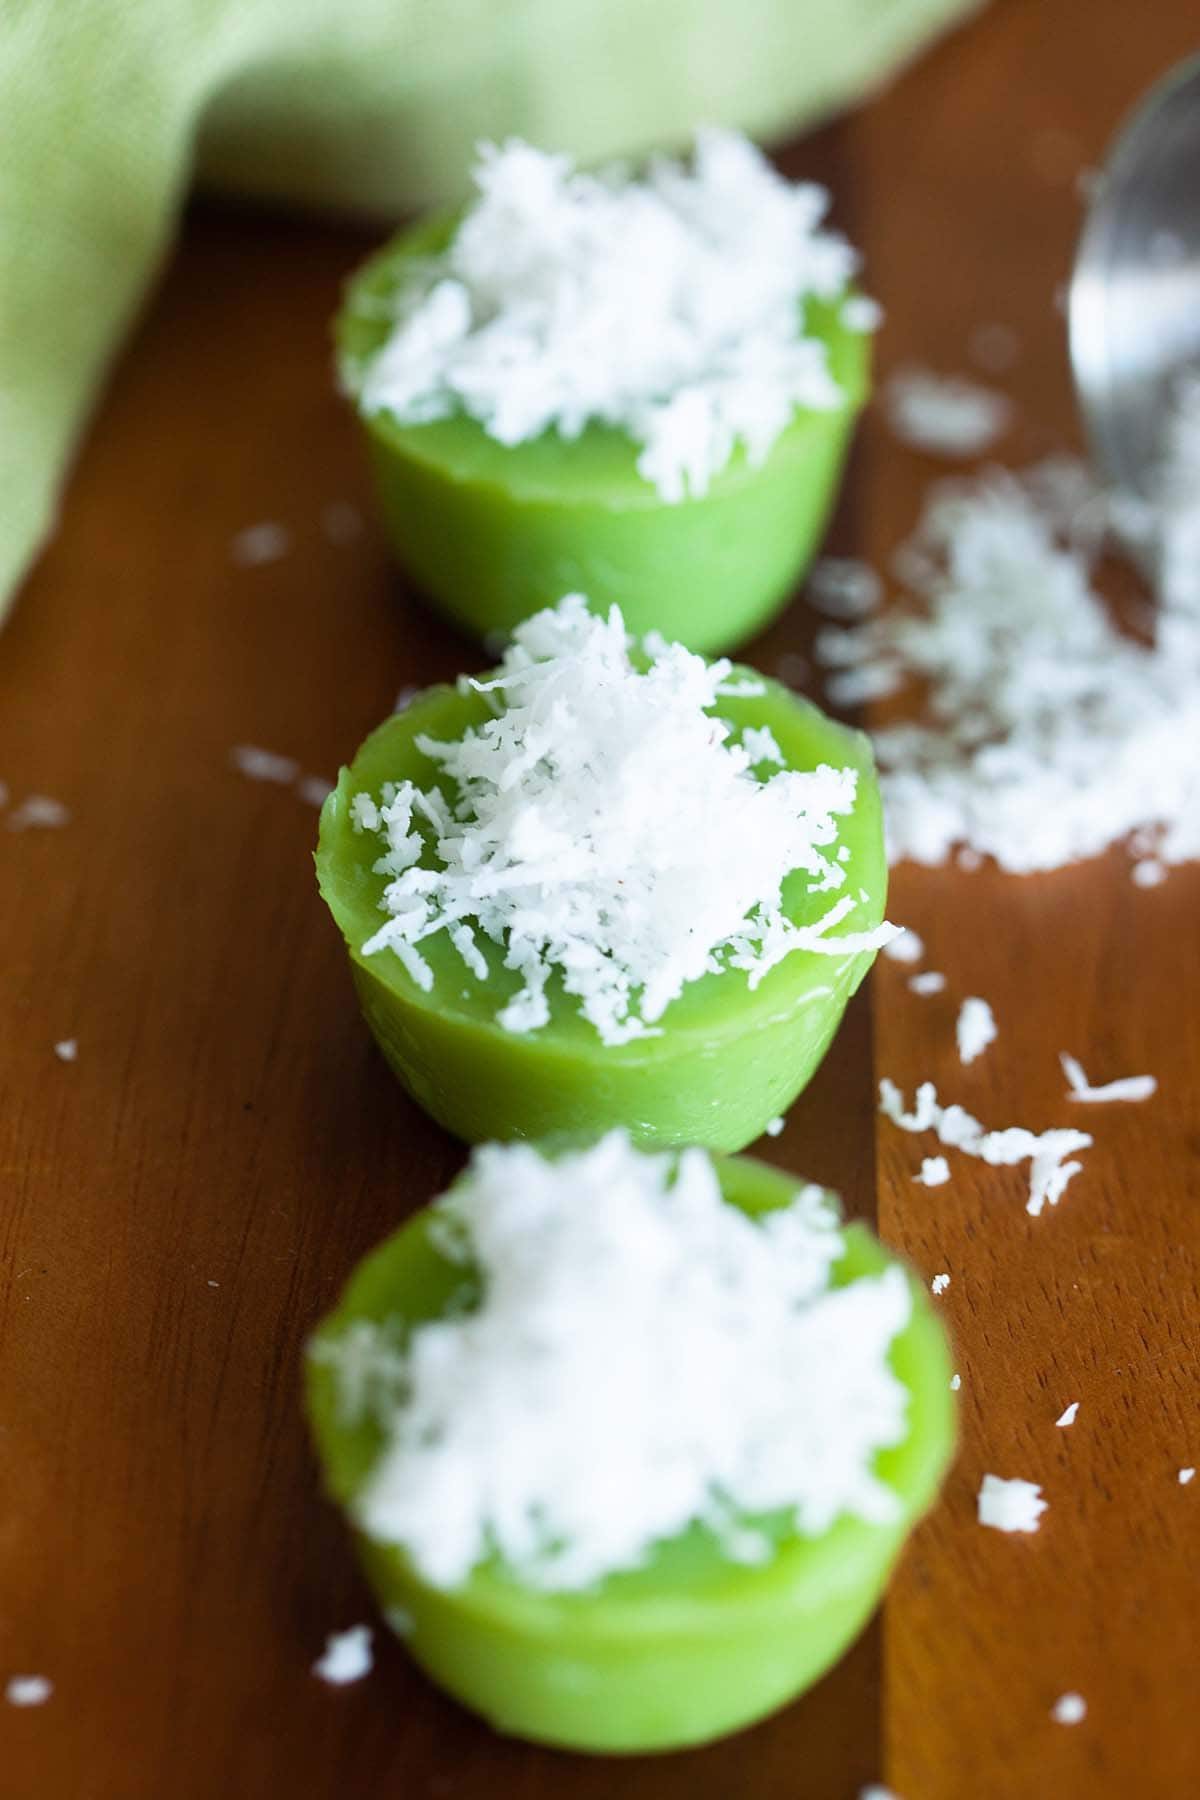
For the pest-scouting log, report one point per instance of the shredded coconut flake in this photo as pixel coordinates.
(955, 1383)
(263, 765)
(560, 849)
(1069, 1709)
(875, 1792)
(1010, 1505)
(67, 1049)
(258, 544)
(935, 1172)
(347, 1656)
(1046, 1152)
(668, 306)
(28, 1690)
(774, 1127)
(861, 313)
(944, 414)
(39, 812)
(1128, 1087)
(739, 1382)
(975, 1030)
(1067, 1416)
(314, 790)
(939, 1284)
(930, 981)
(758, 741)
(1186, 1475)
(906, 947)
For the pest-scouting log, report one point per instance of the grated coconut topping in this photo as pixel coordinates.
(610, 830)
(643, 1356)
(668, 306)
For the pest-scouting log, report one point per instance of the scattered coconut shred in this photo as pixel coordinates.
(560, 847)
(975, 1030)
(347, 1656)
(1010, 1505)
(1046, 1152)
(1128, 1087)
(667, 305)
(944, 414)
(1049, 734)
(739, 1382)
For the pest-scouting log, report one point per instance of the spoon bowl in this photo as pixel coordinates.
(1134, 298)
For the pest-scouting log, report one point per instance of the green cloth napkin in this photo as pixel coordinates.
(109, 108)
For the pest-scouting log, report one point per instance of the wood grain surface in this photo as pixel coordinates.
(181, 1203)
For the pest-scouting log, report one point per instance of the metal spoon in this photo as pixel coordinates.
(1134, 301)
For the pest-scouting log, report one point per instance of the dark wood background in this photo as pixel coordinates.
(181, 1203)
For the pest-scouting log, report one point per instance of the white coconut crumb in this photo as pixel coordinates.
(1046, 1151)
(341, 523)
(1010, 1505)
(1186, 1475)
(994, 348)
(1127, 1087)
(759, 743)
(875, 1792)
(861, 313)
(955, 1383)
(213, 1284)
(1067, 1416)
(975, 1029)
(39, 812)
(668, 306)
(1069, 1709)
(28, 1690)
(562, 849)
(929, 981)
(939, 1284)
(842, 587)
(314, 790)
(944, 414)
(347, 1656)
(740, 1383)
(774, 1127)
(935, 1172)
(405, 697)
(259, 544)
(67, 1049)
(1148, 873)
(263, 765)
(906, 947)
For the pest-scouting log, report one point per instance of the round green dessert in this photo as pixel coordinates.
(736, 1044)
(709, 1626)
(492, 529)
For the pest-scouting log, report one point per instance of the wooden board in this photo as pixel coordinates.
(182, 1202)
